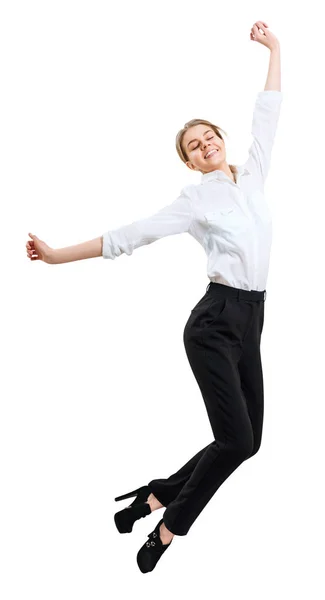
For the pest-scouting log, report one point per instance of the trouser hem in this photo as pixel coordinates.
(173, 530)
(162, 500)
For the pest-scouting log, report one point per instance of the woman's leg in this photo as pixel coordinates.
(251, 377)
(166, 490)
(215, 352)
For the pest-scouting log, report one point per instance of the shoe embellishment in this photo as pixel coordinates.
(150, 542)
(147, 560)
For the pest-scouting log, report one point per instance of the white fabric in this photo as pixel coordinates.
(230, 220)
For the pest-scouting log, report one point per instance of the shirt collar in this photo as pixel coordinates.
(218, 174)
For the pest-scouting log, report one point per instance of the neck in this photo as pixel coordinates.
(229, 170)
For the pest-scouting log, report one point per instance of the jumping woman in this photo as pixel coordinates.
(227, 214)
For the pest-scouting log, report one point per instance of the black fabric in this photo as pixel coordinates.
(222, 342)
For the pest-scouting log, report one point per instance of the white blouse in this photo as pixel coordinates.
(230, 220)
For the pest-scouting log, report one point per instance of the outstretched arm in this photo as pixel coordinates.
(170, 220)
(37, 249)
(90, 249)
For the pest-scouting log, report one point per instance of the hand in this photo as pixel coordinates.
(42, 250)
(265, 37)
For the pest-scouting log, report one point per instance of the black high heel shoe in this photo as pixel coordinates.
(151, 551)
(125, 519)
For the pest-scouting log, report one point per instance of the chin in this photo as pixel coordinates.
(213, 164)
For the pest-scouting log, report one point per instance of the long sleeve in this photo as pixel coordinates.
(264, 126)
(170, 220)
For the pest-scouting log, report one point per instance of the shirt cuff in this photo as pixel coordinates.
(270, 97)
(107, 248)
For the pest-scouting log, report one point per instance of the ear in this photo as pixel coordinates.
(191, 166)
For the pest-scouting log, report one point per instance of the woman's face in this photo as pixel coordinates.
(197, 142)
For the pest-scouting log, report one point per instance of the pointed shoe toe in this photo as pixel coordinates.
(151, 551)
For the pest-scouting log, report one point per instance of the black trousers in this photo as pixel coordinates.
(222, 342)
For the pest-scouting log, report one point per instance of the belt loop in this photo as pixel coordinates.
(238, 295)
(264, 296)
(208, 286)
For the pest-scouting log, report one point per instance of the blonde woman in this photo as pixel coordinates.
(227, 214)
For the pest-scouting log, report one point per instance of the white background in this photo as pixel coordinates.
(97, 396)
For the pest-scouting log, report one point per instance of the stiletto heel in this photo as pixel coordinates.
(140, 491)
(125, 519)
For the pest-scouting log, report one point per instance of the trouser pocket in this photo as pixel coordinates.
(208, 311)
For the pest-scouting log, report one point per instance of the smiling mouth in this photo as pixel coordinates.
(211, 153)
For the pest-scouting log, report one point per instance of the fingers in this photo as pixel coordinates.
(261, 23)
(30, 250)
(257, 30)
(32, 257)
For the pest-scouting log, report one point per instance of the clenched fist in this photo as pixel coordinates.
(39, 250)
(260, 33)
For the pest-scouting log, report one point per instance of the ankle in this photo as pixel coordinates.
(165, 535)
(153, 502)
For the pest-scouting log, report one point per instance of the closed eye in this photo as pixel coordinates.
(210, 138)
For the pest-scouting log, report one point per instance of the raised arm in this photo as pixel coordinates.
(267, 107)
(260, 33)
(273, 81)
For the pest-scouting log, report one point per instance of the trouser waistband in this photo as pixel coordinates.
(232, 292)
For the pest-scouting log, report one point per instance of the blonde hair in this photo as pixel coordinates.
(179, 138)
